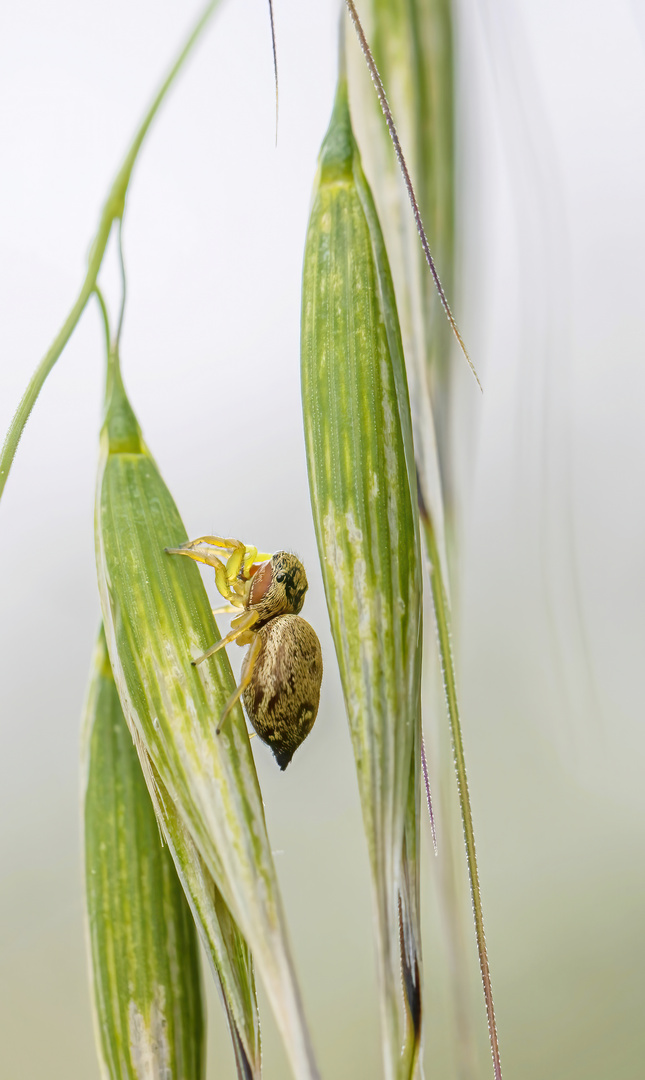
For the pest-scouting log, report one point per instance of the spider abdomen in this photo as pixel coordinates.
(282, 698)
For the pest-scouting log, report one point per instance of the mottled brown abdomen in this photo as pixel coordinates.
(282, 698)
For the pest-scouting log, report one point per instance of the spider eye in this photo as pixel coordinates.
(281, 576)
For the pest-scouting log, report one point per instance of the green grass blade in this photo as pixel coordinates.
(157, 619)
(412, 43)
(226, 948)
(112, 211)
(143, 947)
(363, 493)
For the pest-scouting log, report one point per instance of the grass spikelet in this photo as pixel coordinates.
(411, 43)
(227, 950)
(363, 493)
(144, 959)
(157, 619)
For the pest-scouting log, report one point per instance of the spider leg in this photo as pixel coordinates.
(227, 609)
(203, 551)
(236, 560)
(247, 674)
(244, 622)
(211, 550)
(223, 543)
(242, 560)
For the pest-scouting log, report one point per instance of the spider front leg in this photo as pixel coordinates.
(208, 549)
(243, 624)
(246, 676)
(211, 550)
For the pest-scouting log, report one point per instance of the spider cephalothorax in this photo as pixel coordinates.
(278, 587)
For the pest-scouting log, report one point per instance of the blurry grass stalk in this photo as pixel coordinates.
(411, 41)
(442, 615)
(113, 209)
(145, 973)
(157, 619)
(363, 492)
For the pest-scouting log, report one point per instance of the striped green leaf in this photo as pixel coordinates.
(226, 948)
(157, 619)
(143, 948)
(363, 493)
(412, 44)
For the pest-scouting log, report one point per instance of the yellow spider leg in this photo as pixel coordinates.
(221, 542)
(202, 554)
(244, 621)
(250, 557)
(238, 591)
(227, 609)
(247, 673)
(201, 550)
(235, 562)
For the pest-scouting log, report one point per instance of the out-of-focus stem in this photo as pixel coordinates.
(442, 615)
(112, 211)
(389, 119)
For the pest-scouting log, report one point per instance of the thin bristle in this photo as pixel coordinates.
(275, 66)
(389, 119)
(426, 781)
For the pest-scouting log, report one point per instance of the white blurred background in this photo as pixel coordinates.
(552, 464)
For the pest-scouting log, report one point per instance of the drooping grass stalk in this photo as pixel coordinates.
(363, 492)
(157, 620)
(145, 977)
(112, 211)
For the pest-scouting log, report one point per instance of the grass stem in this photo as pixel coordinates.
(442, 615)
(112, 211)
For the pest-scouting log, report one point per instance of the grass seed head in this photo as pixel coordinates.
(143, 949)
(158, 620)
(363, 493)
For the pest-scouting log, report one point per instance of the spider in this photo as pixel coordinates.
(282, 671)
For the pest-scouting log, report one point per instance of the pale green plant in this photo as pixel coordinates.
(363, 468)
(157, 620)
(413, 52)
(143, 947)
(363, 495)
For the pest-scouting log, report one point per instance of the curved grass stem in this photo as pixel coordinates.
(105, 318)
(112, 211)
(442, 616)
